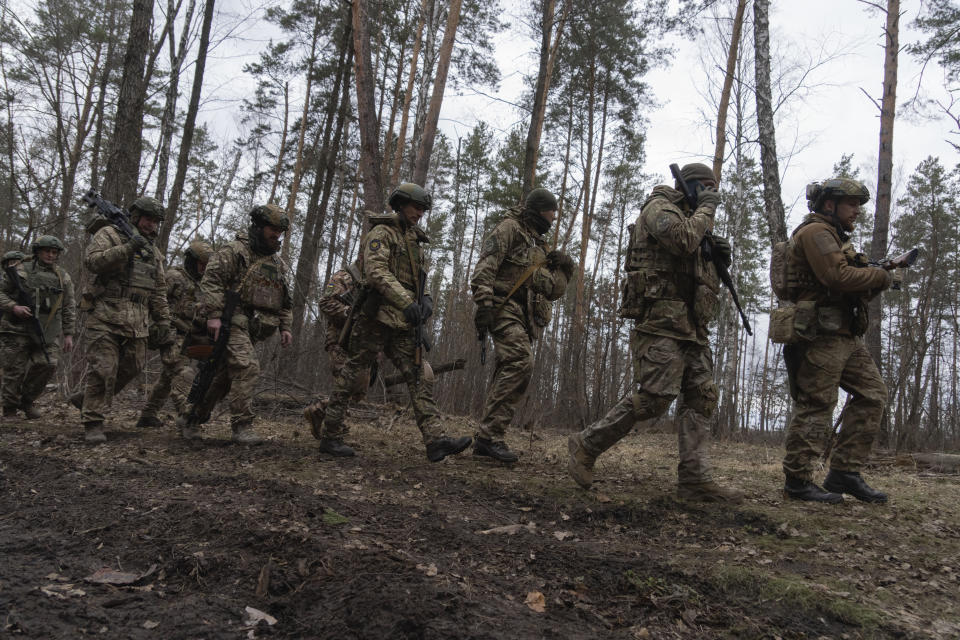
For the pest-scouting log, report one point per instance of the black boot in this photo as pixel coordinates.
(801, 489)
(149, 422)
(77, 400)
(852, 483)
(496, 449)
(335, 447)
(440, 448)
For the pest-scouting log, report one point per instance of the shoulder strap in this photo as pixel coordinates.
(59, 300)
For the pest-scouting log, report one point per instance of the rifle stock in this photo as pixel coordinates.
(25, 298)
(706, 246)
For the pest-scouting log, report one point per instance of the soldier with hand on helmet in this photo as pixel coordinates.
(26, 370)
(128, 294)
(835, 286)
(249, 267)
(514, 282)
(392, 263)
(183, 288)
(671, 292)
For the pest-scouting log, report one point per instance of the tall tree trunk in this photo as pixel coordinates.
(408, 97)
(183, 158)
(123, 161)
(278, 168)
(548, 55)
(422, 164)
(732, 55)
(366, 112)
(773, 205)
(881, 218)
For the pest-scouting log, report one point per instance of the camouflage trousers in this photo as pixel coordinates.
(511, 376)
(176, 373)
(26, 371)
(818, 370)
(316, 412)
(113, 360)
(664, 368)
(367, 339)
(235, 381)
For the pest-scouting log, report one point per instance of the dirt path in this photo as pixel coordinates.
(387, 545)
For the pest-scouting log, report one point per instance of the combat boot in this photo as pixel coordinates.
(335, 447)
(797, 488)
(708, 491)
(850, 482)
(496, 449)
(9, 412)
(93, 433)
(188, 430)
(149, 422)
(580, 463)
(31, 412)
(77, 400)
(445, 446)
(243, 433)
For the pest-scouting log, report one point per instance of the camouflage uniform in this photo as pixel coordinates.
(128, 293)
(26, 370)
(265, 306)
(333, 303)
(391, 253)
(177, 369)
(671, 291)
(822, 272)
(508, 253)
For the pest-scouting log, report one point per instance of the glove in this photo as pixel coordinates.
(557, 259)
(138, 242)
(159, 335)
(484, 318)
(722, 251)
(412, 314)
(707, 197)
(426, 306)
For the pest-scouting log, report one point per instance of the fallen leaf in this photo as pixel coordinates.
(428, 569)
(62, 591)
(604, 498)
(510, 529)
(150, 624)
(563, 535)
(536, 601)
(254, 616)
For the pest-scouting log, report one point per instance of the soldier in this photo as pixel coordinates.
(183, 286)
(27, 364)
(336, 303)
(392, 267)
(127, 294)
(250, 267)
(12, 259)
(671, 291)
(823, 277)
(513, 284)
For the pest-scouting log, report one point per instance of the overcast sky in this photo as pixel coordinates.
(835, 118)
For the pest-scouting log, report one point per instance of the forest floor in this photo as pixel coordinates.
(151, 537)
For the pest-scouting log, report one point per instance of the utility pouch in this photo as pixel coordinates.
(262, 326)
(631, 306)
(794, 323)
(829, 319)
(371, 303)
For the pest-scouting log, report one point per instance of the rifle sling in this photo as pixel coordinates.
(56, 304)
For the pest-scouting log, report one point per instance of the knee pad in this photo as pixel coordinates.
(704, 401)
(647, 405)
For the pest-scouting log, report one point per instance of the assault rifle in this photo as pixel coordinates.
(208, 366)
(706, 246)
(419, 340)
(116, 216)
(902, 261)
(26, 299)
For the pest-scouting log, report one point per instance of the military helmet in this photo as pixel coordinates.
(834, 189)
(47, 242)
(12, 255)
(541, 200)
(199, 250)
(270, 214)
(409, 192)
(149, 206)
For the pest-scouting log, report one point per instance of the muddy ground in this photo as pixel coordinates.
(387, 545)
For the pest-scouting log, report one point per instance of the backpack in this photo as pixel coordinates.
(780, 269)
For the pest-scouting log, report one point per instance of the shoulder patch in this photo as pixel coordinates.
(491, 245)
(374, 245)
(825, 242)
(329, 290)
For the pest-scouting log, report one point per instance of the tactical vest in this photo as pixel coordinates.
(518, 259)
(401, 264)
(46, 285)
(135, 282)
(263, 285)
(654, 273)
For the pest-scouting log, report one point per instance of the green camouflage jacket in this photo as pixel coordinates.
(47, 284)
(392, 260)
(129, 289)
(333, 304)
(182, 296)
(266, 303)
